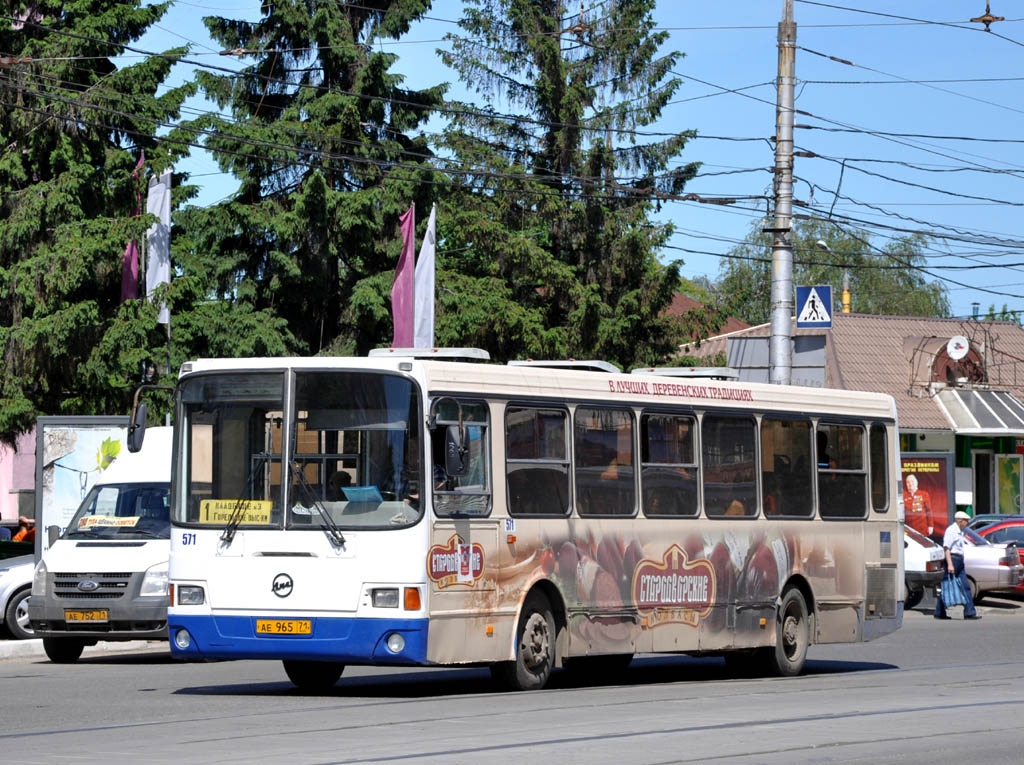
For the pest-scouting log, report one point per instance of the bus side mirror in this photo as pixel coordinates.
(52, 535)
(454, 450)
(137, 428)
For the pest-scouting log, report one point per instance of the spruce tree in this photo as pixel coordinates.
(550, 223)
(72, 127)
(319, 138)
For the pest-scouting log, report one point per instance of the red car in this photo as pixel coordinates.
(1005, 532)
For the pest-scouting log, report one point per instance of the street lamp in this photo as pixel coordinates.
(846, 276)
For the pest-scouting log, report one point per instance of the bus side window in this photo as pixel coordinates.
(786, 467)
(727, 469)
(842, 474)
(603, 462)
(879, 468)
(469, 493)
(536, 461)
(668, 465)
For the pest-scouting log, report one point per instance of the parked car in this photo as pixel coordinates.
(15, 588)
(923, 565)
(987, 519)
(1006, 532)
(990, 566)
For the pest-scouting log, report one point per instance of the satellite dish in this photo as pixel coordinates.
(957, 347)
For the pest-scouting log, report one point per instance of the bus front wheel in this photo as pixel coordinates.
(535, 648)
(792, 636)
(313, 676)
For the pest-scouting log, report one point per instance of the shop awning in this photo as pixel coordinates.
(982, 412)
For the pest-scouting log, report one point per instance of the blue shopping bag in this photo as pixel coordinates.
(952, 593)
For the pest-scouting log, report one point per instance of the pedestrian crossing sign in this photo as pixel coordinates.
(814, 306)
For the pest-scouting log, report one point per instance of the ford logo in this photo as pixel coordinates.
(282, 585)
(88, 585)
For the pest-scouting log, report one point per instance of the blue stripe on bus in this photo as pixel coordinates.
(348, 640)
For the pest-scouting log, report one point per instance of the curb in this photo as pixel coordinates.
(18, 649)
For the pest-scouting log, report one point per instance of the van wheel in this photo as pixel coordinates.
(313, 676)
(63, 650)
(16, 617)
(913, 598)
(535, 648)
(792, 636)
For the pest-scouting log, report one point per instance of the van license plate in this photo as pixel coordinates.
(91, 615)
(284, 627)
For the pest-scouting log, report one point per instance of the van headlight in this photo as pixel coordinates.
(155, 580)
(39, 580)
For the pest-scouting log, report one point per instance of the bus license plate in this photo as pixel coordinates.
(284, 627)
(91, 615)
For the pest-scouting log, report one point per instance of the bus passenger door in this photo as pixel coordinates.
(462, 565)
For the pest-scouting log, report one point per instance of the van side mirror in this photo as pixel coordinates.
(137, 427)
(455, 450)
(52, 535)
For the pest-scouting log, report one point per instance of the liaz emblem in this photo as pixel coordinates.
(674, 589)
(456, 563)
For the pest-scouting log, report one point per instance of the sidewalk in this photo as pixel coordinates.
(18, 649)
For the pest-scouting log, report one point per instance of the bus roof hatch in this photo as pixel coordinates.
(588, 366)
(447, 354)
(716, 373)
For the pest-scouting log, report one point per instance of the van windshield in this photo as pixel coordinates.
(127, 510)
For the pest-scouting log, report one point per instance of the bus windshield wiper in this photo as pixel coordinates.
(327, 523)
(238, 512)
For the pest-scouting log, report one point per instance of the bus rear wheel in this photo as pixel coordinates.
(535, 648)
(792, 636)
(63, 650)
(313, 676)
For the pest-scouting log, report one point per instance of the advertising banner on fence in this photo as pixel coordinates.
(927, 491)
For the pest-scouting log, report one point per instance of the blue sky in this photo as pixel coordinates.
(934, 84)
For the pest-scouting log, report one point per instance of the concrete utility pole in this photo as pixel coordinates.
(780, 350)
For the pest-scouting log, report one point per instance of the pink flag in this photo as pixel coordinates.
(130, 258)
(402, 290)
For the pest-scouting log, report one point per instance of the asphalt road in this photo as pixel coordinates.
(934, 692)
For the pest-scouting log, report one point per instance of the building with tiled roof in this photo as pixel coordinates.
(958, 386)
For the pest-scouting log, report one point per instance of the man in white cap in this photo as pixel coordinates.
(953, 544)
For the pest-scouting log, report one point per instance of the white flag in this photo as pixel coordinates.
(158, 238)
(423, 335)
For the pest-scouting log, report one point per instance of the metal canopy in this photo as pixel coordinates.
(982, 412)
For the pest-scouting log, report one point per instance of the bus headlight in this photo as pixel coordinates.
(384, 597)
(39, 580)
(190, 595)
(182, 639)
(155, 580)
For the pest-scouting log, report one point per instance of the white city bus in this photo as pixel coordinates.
(400, 510)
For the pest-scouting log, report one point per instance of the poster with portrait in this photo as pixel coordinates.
(71, 454)
(927, 491)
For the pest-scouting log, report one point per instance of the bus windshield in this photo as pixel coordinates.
(353, 452)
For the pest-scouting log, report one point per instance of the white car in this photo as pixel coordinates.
(923, 565)
(15, 588)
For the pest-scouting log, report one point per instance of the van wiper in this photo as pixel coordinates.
(327, 523)
(238, 512)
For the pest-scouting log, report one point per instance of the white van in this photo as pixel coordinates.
(105, 578)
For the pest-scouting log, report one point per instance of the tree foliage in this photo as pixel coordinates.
(553, 253)
(68, 192)
(887, 280)
(319, 139)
